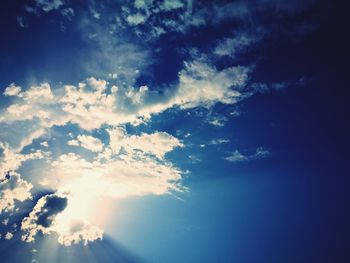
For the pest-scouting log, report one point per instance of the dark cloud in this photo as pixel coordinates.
(54, 204)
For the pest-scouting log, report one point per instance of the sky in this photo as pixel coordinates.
(174, 131)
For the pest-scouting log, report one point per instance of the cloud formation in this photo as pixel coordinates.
(13, 188)
(88, 142)
(121, 165)
(101, 114)
(48, 217)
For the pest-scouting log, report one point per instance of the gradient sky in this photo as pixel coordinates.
(174, 131)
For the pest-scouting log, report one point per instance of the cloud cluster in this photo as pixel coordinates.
(129, 165)
(119, 165)
(123, 164)
(11, 160)
(158, 18)
(94, 102)
(158, 143)
(13, 188)
(47, 217)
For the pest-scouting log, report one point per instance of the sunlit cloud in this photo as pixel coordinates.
(92, 140)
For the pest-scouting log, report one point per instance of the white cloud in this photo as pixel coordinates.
(49, 216)
(125, 165)
(136, 19)
(12, 160)
(128, 166)
(112, 174)
(118, 178)
(95, 102)
(217, 120)
(39, 94)
(88, 142)
(12, 90)
(158, 143)
(30, 137)
(45, 144)
(13, 188)
(73, 143)
(8, 236)
(236, 156)
(203, 85)
(79, 231)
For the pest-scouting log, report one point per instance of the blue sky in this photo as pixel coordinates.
(174, 131)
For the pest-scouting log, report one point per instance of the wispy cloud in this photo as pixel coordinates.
(237, 156)
(218, 141)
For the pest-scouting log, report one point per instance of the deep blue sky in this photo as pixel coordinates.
(290, 205)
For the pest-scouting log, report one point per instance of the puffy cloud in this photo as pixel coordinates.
(42, 217)
(128, 166)
(88, 142)
(12, 160)
(38, 94)
(8, 236)
(12, 90)
(44, 143)
(94, 102)
(73, 142)
(49, 216)
(92, 108)
(125, 165)
(203, 85)
(5, 221)
(136, 19)
(17, 110)
(115, 174)
(79, 231)
(13, 188)
(158, 143)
